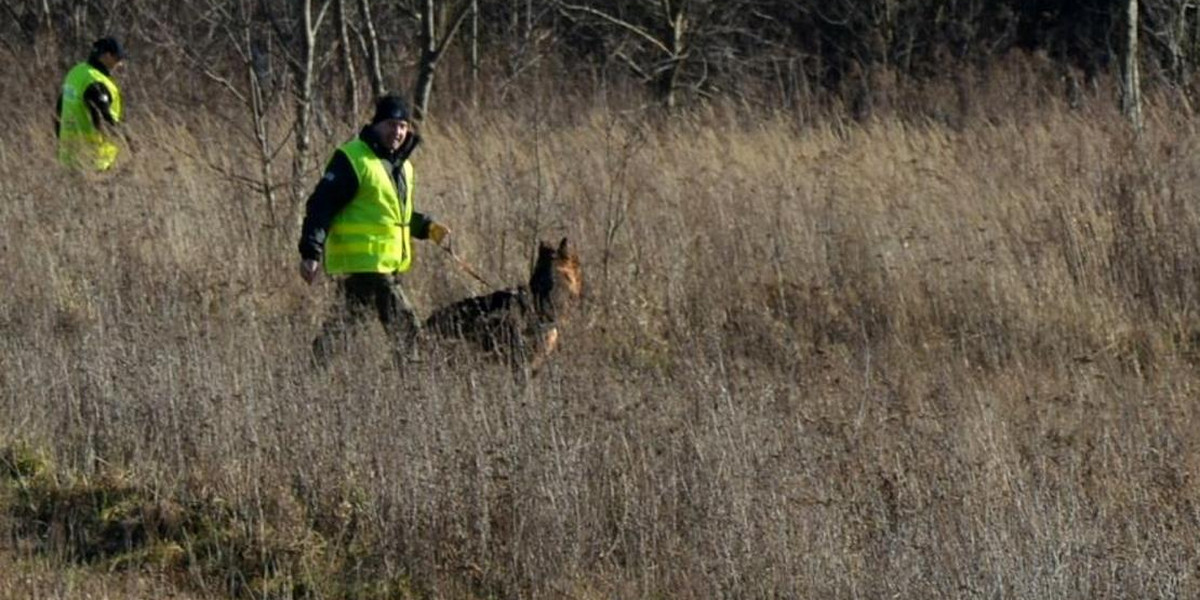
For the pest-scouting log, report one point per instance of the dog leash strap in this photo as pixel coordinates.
(462, 264)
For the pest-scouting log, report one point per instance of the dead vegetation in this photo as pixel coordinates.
(916, 359)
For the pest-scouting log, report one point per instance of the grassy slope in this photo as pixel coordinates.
(823, 361)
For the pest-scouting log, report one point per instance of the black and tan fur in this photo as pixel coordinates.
(522, 323)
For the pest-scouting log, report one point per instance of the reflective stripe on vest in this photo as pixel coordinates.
(371, 234)
(80, 144)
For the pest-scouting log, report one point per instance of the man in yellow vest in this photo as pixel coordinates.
(360, 223)
(89, 109)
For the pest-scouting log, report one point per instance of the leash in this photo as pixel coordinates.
(462, 264)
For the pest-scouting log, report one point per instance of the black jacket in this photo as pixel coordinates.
(97, 99)
(338, 187)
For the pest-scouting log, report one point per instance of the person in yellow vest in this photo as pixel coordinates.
(88, 114)
(360, 222)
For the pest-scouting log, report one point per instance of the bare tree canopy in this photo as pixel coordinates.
(325, 56)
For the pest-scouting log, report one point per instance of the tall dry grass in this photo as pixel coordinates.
(900, 358)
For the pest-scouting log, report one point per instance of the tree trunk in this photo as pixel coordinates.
(432, 47)
(376, 73)
(668, 82)
(304, 87)
(427, 38)
(262, 132)
(305, 75)
(347, 62)
(1131, 95)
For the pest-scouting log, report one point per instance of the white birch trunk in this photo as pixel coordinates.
(1131, 95)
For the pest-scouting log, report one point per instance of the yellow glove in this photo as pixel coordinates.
(438, 233)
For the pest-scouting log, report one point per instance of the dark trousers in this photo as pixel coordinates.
(363, 293)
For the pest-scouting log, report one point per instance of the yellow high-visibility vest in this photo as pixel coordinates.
(371, 234)
(80, 144)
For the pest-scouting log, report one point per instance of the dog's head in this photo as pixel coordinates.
(557, 280)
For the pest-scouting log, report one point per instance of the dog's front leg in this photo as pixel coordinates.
(547, 342)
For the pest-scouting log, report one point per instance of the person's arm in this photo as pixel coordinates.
(425, 227)
(99, 102)
(335, 190)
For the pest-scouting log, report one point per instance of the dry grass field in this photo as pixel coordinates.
(816, 359)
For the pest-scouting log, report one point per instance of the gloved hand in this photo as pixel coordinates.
(439, 233)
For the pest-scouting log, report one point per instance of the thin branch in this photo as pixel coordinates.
(621, 23)
(463, 11)
(372, 51)
(224, 81)
(636, 68)
(320, 16)
(235, 176)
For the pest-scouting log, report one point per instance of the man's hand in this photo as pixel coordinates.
(439, 233)
(309, 269)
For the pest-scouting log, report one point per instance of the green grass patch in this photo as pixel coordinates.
(285, 549)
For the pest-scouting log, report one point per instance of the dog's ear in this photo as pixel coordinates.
(564, 248)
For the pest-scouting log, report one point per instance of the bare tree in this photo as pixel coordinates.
(1167, 25)
(221, 27)
(748, 49)
(525, 41)
(371, 48)
(1131, 95)
(665, 30)
(347, 57)
(308, 25)
(433, 44)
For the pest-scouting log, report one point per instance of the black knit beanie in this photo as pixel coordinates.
(390, 107)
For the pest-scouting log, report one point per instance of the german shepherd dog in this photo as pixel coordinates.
(519, 324)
